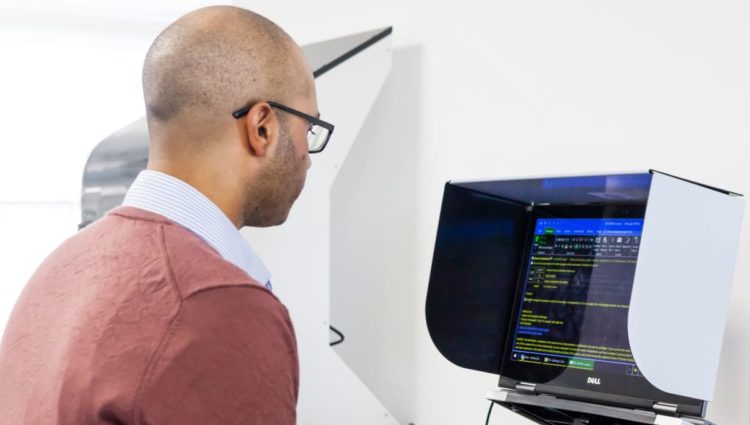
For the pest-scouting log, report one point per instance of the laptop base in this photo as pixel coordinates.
(549, 410)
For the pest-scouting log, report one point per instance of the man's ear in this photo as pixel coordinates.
(261, 124)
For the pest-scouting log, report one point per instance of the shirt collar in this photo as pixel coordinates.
(176, 200)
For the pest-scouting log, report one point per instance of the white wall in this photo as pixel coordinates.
(520, 88)
(509, 88)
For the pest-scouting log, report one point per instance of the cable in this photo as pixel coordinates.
(489, 412)
(337, 332)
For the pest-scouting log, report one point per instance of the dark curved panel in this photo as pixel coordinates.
(473, 276)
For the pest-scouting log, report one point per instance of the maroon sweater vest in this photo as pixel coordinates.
(136, 320)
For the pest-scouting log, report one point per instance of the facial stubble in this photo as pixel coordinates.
(269, 198)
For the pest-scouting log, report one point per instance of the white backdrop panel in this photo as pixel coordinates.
(298, 253)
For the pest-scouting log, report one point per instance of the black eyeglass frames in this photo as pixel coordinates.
(317, 135)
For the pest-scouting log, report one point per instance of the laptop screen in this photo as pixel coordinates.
(569, 326)
(576, 294)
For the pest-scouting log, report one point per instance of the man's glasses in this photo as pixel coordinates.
(318, 133)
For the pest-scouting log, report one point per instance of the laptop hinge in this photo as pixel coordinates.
(668, 408)
(526, 387)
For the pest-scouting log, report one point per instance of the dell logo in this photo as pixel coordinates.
(593, 381)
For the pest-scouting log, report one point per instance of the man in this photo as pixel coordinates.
(160, 312)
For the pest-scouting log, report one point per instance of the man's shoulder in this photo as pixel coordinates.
(193, 264)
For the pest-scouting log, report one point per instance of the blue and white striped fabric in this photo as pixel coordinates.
(176, 200)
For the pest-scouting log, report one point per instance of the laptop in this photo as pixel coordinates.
(568, 336)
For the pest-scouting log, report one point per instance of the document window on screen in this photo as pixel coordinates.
(576, 295)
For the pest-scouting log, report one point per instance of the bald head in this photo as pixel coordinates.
(202, 68)
(214, 61)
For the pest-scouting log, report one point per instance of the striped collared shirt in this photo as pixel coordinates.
(176, 200)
